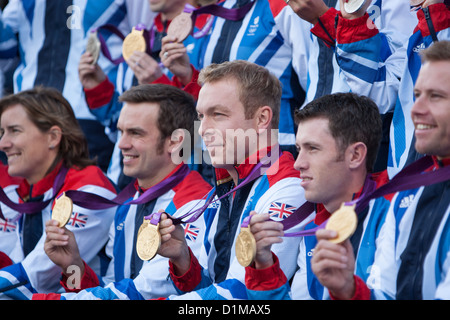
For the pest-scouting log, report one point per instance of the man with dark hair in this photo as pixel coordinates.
(411, 259)
(151, 113)
(337, 139)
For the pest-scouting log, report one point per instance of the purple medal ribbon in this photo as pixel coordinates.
(104, 48)
(33, 207)
(148, 35)
(95, 202)
(195, 214)
(410, 177)
(214, 9)
(306, 209)
(219, 11)
(154, 218)
(369, 188)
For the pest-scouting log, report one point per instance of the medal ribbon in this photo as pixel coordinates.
(95, 202)
(233, 14)
(195, 214)
(33, 207)
(213, 9)
(148, 35)
(410, 177)
(103, 46)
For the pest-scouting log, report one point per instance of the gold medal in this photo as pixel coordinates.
(245, 247)
(344, 222)
(93, 46)
(352, 6)
(133, 42)
(148, 241)
(62, 210)
(181, 26)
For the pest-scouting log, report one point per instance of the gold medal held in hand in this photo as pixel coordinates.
(181, 26)
(62, 210)
(148, 241)
(93, 46)
(245, 247)
(344, 222)
(135, 41)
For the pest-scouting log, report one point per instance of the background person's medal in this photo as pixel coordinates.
(93, 46)
(245, 247)
(352, 6)
(344, 222)
(181, 26)
(62, 210)
(134, 41)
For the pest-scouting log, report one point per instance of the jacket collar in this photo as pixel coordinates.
(243, 169)
(161, 25)
(322, 214)
(142, 190)
(25, 190)
(440, 163)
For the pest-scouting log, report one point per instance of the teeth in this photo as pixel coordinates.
(129, 157)
(306, 179)
(424, 126)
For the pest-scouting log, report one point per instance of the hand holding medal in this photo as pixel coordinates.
(245, 247)
(258, 234)
(344, 221)
(159, 235)
(93, 46)
(149, 238)
(181, 26)
(134, 41)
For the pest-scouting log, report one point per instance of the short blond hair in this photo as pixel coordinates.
(257, 86)
(438, 51)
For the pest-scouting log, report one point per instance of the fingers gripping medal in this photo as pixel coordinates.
(352, 6)
(245, 244)
(181, 26)
(93, 46)
(134, 41)
(149, 238)
(344, 222)
(62, 210)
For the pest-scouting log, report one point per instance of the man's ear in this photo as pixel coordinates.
(263, 118)
(179, 145)
(356, 155)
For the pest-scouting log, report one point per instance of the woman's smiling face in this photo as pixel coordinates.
(26, 147)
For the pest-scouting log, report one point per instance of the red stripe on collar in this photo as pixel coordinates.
(41, 186)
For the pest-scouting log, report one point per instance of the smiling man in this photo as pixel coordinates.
(411, 261)
(337, 139)
(151, 113)
(237, 96)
